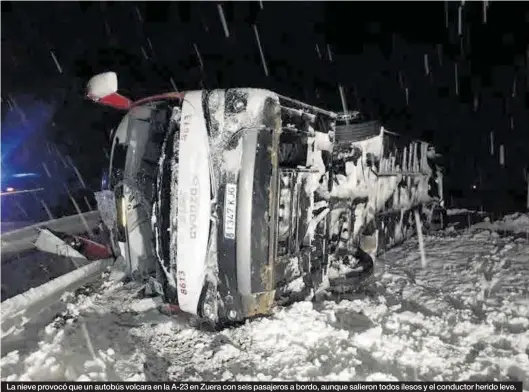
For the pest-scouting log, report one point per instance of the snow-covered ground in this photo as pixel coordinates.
(515, 223)
(457, 211)
(31, 269)
(464, 317)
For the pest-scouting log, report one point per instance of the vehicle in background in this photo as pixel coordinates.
(234, 201)
(31, 197)
(20, 195)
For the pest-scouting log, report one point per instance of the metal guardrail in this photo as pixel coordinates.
(21, 240)
(23, 307)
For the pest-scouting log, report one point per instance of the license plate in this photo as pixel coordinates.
(230, 211)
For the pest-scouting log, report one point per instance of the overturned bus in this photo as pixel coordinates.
(234, 201)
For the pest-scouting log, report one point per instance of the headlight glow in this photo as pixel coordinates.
(123, 213)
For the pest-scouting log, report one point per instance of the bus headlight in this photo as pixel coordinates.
(121, 219)
(123, 215)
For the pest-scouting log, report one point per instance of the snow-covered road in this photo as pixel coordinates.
(464, 317)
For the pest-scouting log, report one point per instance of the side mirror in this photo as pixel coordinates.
(103, 89)
(102, 85)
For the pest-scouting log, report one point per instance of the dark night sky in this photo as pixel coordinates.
(378, 50)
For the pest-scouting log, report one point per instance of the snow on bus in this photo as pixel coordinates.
(255, 199)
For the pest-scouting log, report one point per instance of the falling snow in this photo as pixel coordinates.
(433, 314)
(329, 53)
(223, 20)
(144, 53)
(59, 68)
(138, 14)
(263, 60)
(173, 84)
(199, 57)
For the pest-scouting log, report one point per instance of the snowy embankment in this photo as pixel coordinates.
(515, 223)
(458, 211)
(464, 317)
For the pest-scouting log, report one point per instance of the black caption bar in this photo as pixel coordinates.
(265, 386)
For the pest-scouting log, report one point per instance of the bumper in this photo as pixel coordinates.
(245, 209)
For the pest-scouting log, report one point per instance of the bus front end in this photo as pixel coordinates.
(192, 176)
